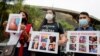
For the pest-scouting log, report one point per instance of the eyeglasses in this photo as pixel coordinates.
(82, 17)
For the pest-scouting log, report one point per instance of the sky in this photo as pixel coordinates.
(90, 6)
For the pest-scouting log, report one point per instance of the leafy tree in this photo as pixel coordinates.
(66, 25)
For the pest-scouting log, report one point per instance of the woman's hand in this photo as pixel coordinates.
(22, 27)
(63, 39)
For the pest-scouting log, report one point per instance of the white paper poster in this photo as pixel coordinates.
(14, 22)
(83, 42)
(44, 42)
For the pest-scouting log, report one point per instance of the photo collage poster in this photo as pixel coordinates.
(14, 22)
(83, 42)
(44, 42)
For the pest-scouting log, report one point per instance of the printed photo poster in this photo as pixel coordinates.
(44, 42)
(14, 22)
(99, 43)
(83, 42)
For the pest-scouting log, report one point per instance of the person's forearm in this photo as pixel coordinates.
(62, 39)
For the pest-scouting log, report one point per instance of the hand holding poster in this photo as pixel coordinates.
(44, 42)
(83, 42)
(14, 22)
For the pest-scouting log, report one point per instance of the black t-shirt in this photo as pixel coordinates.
(52, 27)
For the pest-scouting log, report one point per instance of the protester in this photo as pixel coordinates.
(84, 25)
(50, 25)
(24, 36)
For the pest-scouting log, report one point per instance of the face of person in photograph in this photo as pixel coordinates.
(94, 46)
(84, 19)
(53, 46)
(52, 39)
(50, 46)
(50, 15)
(73, 39)
(24, 17)
(36, 38)
(13, 25)
(93, 38)
(73, 46)
(43, 44)
(35, 45)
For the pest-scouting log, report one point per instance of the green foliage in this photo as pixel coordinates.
(66, 25)
(97, 27)
(34, 13)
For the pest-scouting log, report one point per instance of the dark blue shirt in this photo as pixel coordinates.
(87, 29)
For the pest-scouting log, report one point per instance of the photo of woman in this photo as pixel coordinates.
(82, 39)
(35, 45)
(93, 39)
(93, 48)
(52, 39)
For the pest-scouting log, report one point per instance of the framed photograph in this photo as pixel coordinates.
(44, 42)
(83, 42)
(14, 22)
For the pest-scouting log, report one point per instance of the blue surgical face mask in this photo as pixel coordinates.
(83, 22)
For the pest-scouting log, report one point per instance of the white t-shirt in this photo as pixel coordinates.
(15, 37)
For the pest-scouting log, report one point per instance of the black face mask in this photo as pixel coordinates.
(24, 21)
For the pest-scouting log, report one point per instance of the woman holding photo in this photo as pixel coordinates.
(22, 45)
(49, 24)
(22, 38)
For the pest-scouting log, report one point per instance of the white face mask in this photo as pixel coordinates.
(49, 16)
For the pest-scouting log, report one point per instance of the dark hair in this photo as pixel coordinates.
(84, 13)
(25, 14)
(44, 22)
(26, 19)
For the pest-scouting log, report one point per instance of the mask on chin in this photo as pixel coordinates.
(49, 16)
(83, 22)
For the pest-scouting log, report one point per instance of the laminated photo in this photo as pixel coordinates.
(14, 22)
(44, 42)
(83, 42)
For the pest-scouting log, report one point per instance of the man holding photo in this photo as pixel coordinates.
(84, 25)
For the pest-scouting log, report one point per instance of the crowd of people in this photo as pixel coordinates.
(49, 24)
